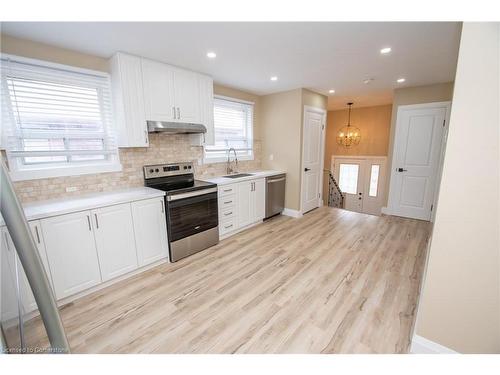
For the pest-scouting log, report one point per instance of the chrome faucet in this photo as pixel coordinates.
(229, 169)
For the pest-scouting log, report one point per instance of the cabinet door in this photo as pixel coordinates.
(206, 95)
(114, 238)
(128, 98)
(187, 101)
(245, 204)
(150, 230)
(158, 83)
(8, 280)
(71, 251)
(259, 199)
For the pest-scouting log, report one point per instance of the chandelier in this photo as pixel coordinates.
(349, 135)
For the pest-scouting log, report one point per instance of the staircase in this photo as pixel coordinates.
(335, 196)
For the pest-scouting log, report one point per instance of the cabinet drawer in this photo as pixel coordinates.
(227, 213)
(227, 201)
(227, 190)
(227, 226)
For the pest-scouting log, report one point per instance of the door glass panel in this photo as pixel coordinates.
(374, 180)
(348, 178)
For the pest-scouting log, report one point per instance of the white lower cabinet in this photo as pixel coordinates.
(114, 239)
(150, 230)
(241, 204)
(71, 251)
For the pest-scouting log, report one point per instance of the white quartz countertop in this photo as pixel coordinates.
(43, 209)
(254, 174)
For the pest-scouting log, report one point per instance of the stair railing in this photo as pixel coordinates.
(335, 196)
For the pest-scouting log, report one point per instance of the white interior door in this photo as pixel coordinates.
(312, 158)
(417, 144)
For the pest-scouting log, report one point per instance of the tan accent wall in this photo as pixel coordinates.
(281, 130)
(375, 125)
(460, 303)
(163, 148)
(440, 92)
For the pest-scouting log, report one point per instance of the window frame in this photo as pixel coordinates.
(248, 154)
(19, 170)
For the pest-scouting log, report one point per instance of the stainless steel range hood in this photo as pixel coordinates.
(175, 127)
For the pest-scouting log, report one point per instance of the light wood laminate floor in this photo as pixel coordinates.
(332, 281)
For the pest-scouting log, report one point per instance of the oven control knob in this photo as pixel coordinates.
(151, 170)
(185, 167)
(157, 170)
(189, 167)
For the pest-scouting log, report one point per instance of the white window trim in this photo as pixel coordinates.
(51, 171)
(222, 159)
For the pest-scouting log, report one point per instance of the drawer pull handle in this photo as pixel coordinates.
(228, 213)
(227, 202)
(37, 234)
(228, 226)
(226, 190)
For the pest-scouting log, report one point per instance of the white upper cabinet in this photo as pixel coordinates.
(71, 251)
(158, 85)
(115, 241)
(149, 90)
(128, 100)
(206, 95)
(186, 95)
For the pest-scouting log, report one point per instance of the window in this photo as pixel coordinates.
(348, 178)
(57, 120)
(233, 125)
(374, 180)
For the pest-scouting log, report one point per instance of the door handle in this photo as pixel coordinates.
(402, 170)
(96, 221)
(88, 221)
(37, 234)
(146, 136)
(306, 169)
(178, 113)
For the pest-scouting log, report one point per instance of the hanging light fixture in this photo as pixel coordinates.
(349, 135)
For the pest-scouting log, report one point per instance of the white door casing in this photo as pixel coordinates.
(416, 159)
(312, 157)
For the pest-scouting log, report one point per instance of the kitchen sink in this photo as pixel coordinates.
(238, 175)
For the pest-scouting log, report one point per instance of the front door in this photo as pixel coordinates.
(415, 166)
(362, 181)
(314, 121)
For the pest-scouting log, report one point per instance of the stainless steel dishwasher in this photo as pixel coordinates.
(275, 194)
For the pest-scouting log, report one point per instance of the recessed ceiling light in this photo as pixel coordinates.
(274, 78)
(385, 50)
(400, 80)
(368, 80)
(211, 55)
(331, 91)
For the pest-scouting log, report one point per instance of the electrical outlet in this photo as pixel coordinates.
(71, 189)
(271, 157)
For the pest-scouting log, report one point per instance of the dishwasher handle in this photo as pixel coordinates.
(276, 180)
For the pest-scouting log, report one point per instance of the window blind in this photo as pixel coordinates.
(55, 117)
(233, 123)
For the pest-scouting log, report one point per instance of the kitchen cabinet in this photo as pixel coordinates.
(150, 230)
(251, 202)
(176, 95)
(158, 84)
(240, 205)
(13, 263)
(206, 100)
(114, 239)
(128, 100)
(71, 252)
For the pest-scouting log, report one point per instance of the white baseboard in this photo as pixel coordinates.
(291, 213)
(421, 345)
(386, 211)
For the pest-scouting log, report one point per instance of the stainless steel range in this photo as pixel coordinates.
(191, 208)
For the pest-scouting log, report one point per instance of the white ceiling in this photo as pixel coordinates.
(318, 56)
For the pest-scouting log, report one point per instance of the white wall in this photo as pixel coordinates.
(460, 303)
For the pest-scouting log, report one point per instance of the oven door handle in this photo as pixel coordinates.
(191, 194)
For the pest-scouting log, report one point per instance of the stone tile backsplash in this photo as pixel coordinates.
(162, 148)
